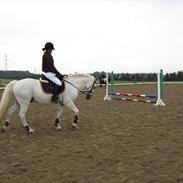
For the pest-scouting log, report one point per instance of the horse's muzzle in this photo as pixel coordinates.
(88, 96)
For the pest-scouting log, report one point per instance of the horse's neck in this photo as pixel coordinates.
(79, 82)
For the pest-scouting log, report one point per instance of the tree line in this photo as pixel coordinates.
(136, 77)
(17, 75)
(133, 77)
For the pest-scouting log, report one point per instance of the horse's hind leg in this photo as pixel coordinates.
(71, 106)
(11, 110)
(59, 113)
(22, 114)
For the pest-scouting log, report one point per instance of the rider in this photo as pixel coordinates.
(49, 70)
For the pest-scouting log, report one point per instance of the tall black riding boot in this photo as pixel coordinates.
(56, 92)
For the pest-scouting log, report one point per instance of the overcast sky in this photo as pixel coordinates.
(119, 36)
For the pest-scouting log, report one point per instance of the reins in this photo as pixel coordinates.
(73, 85)
(85, 91)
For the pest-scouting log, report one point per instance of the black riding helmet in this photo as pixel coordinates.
(48, 46)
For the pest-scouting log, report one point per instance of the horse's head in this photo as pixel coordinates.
(84, 83)
(89, 87)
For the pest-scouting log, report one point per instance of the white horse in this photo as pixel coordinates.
(27, 90)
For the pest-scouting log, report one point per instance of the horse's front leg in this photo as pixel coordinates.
(71, 106)
(59, 113)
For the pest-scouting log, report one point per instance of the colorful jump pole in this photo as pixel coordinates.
(135, 100)
(134, 95)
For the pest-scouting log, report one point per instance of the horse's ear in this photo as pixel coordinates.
(65, 76)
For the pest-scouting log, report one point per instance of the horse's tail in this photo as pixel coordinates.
(6, 97)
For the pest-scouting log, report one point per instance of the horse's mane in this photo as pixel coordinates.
(78, 75)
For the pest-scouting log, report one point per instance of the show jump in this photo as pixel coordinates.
(157, 99)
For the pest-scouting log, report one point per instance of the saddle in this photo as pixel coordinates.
(48, 86)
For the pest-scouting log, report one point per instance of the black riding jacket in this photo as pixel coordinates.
(48, 65)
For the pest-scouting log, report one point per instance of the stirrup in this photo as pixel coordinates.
(54, 99)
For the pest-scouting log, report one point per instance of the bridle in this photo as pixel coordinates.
(88, 91)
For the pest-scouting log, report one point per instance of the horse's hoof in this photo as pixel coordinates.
(2, 130)
(31, 131)
(74, 125)
(59, 128)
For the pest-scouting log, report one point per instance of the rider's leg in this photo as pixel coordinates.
(52, 77)
(56, 92)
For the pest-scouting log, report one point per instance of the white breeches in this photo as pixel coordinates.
(52, 77)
